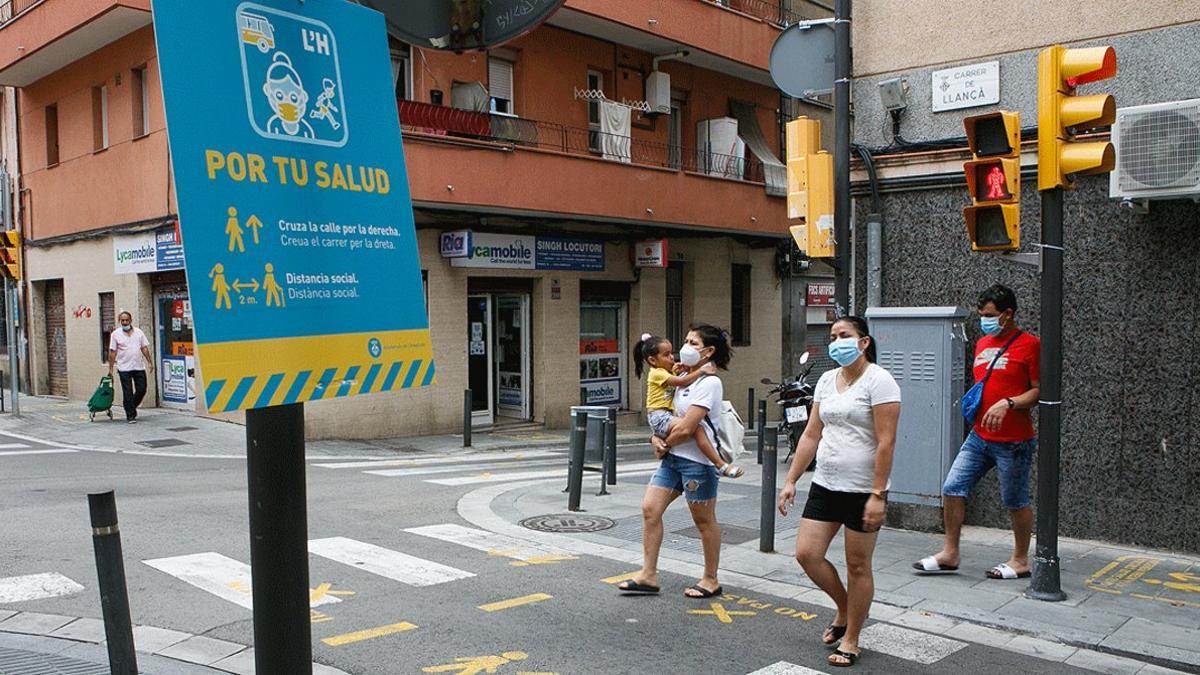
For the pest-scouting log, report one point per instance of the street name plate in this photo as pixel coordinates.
(294, 206)
(966, 86)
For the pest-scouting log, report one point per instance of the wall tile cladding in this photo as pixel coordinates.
(1131, 353)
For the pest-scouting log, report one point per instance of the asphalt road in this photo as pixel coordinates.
(449, 607)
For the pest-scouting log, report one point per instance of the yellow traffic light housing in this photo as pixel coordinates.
(810, 188)
(803, 139)
(1061, 114)
(10, 254)
(994, 181)
(819, 215)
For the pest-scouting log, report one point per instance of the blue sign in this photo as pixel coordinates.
(294, 204)
(554, 253)
(168, 250)
(455, 244)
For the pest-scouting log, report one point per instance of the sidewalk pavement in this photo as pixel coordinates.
(1125, 607)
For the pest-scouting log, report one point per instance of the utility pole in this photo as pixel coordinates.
(10, 302)
(841, 154)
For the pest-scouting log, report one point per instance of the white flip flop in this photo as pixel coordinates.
(930, 566)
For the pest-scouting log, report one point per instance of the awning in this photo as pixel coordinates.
(774, 170)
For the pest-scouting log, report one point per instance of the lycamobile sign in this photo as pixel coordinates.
(525, 252)
(135, 253)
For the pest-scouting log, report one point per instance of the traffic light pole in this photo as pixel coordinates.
(10, 302)
(841, 154)
(1045, 582)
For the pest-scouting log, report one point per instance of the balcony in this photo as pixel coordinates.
(771, 11)
(487, 162)
(39, 37)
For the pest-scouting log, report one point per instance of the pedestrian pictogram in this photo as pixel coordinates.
(233, 229)
(474, 665)
(273, 289)
(996, 182)
(220, 287)
(721, 614)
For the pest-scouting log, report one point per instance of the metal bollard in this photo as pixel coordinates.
(583, 396)
(762, 428)
(750, 407)
(575, 469)
(605, 425)
(610, 439)
(766, 521)
(110, 573)
(467, 401)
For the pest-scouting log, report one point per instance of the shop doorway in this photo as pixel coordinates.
(602, 365)
(56, 338)
(498, 355)
(176, 350)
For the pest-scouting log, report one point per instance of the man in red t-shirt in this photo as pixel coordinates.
(1003, 435)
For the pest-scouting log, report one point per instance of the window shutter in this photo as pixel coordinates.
(500, 79)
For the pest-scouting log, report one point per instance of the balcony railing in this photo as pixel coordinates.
(442, 121)
(771, 11)
(9, 9)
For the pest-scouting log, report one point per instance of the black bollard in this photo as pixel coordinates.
(762, 428)
(466, 418)
(605, 425)
(610, 439)
(575, 469)
(110, 573)
(766, 521)
(750, 407)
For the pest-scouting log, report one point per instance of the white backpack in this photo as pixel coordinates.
(729, 437)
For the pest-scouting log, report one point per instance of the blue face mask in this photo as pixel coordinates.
(127, 328)
(990, 325)
(845, 351)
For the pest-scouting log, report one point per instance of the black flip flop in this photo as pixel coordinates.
(634, 588)
(851, 657)
(704, 592)
(836, 632)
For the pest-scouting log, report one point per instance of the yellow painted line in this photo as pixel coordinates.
(515, 602)
(619, 579)
(1171, 601)
(359, 636)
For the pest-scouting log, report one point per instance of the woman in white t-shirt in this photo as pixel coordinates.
(852, 431)
(685, 470)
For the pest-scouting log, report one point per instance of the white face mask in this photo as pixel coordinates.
(689, 356)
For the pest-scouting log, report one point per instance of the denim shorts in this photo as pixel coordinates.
(1013, 462)
(697, 482)
(660, 422)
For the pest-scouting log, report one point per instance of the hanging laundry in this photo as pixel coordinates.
(615, 120)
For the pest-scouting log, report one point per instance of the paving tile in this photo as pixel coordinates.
(1104, 663)
(1059, 615)
(241, 663)
(1151, 669)
(1043, 649)
(31, 623)
(150, 639)
(201, 650)
(907, 644)
(932, 623)
(1151, 638)
(84, 630)
(882, 612)
(5, 613)
(970, 596)
(983, 635)
(818, 598)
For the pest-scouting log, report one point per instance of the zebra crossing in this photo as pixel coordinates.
(23, 448)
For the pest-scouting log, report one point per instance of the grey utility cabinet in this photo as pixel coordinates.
(924, 348)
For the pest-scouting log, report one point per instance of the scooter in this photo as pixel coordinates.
(796, 400)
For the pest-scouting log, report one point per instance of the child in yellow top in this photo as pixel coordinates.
(654, 355)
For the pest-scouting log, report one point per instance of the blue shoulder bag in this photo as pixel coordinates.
(974, 396)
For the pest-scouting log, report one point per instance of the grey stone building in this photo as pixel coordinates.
(1131, 426)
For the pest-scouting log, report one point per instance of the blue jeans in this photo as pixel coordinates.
(697, 482)
(1013, 462)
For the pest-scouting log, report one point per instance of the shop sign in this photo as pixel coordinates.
(135, 253)
(966, 86)
(526, 252)
(178, 379)
(820, 295)
(599, 347)
(455, 244)
(651, 253)
(602, 392)
(294, 202)
(168, 252)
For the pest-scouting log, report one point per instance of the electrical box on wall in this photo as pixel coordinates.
(658, 93)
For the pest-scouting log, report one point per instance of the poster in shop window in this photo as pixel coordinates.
(294, 205)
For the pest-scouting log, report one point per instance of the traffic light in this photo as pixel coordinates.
(10, 254)
(994, 181)
(1061, 114)
(810, 188)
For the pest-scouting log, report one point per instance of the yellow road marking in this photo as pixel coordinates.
(515, 602)
(620, 578)
(1171, 601)
(359, 636)
(718, 610)
(324, 589)
(548, 559)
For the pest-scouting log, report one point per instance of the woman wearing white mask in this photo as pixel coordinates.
(852, 432)
(684, 469)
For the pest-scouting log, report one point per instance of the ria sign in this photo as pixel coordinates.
(456, 244)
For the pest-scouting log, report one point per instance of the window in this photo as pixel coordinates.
(51, 135)
(500, 85)
(739, 329)
(108, 323)
(141, 103)
(100, 117)
(401, 69)
(595, 81)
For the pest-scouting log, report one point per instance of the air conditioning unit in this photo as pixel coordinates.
(1158, 151)
(658, 92)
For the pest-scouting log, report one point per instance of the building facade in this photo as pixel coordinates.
(1130, 451)
(614, 172)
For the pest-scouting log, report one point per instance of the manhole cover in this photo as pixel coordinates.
(163, 443)
(569, 522)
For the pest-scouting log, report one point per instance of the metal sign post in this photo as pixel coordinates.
(300, 249)
(10, 303)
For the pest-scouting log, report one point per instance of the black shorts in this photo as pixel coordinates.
(830, 506)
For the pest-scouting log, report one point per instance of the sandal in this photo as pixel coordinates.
(850, 658)
(731, 471)
(834, 633)
(704, 592)
(634, 588)
(1003, 571)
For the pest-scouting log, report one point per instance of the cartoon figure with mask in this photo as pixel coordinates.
(325, 106)
(287, 98)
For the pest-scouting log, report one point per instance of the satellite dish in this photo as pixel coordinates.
(802, 59)
(459, 25)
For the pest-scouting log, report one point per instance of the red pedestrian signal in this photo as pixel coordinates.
(994, 181)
